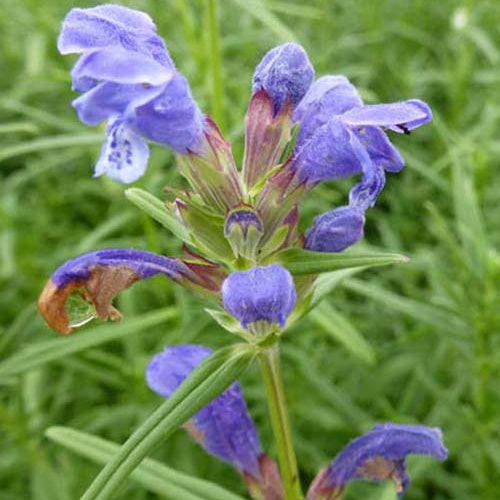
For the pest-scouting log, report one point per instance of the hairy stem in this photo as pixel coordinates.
(271, 374)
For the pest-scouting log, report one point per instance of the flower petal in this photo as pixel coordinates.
(399, 116)
(87, 29)
(103, 26)
(378, 455)
(364, 194)
(172, 118)
(285, 73)
(380, 149)
(124, 155)
(223, 427)
(108, 99)
(331, 153)
(260, 294)
(336, 230)
(120, 66)
(328, 96)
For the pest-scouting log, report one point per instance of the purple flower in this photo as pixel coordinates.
(102, 274)
(340, 137)
(376, 456)
(335, 127)
(126, 76)
(335, 230)
(285, 73)
(223, 427)
(260, 294)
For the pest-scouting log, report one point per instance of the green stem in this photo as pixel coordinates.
(271, 374)
(216, 66)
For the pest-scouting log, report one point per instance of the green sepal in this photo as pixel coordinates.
(206, 230)
(274, 242)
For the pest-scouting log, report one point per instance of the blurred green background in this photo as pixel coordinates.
(415, 343)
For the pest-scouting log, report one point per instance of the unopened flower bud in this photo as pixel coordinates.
(243, 229)
(260, 295)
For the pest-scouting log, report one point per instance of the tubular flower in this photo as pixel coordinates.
(224, 427)
(261, 294)
(376, 456)
(340, 137)
(126, 76)
(100, 275)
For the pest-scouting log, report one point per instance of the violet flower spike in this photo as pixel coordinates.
(126, 76)
(285, 73)
(376, 456)
(224, 427)
(261, 294)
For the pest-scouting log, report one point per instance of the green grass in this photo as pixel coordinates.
(426, 335)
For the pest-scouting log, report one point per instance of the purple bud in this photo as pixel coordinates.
(223, 427)
(244, 218)
(285, 73)
(378, 455)
(259, 294)
(335, 230)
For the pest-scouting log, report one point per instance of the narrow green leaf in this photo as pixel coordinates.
(153, 475)
(299, 261)
(205, 383)
(158, 211)
(343, 331)
(57, 348)
(327, 282)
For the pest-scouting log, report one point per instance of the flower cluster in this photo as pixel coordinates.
(239, 226)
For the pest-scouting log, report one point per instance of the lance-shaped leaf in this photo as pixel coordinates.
(100, 275)
(206, 382)
(299, 261)
(266, 136)
(152, 475)
(378, 455)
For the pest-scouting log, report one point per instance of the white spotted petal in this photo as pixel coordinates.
(124, 154)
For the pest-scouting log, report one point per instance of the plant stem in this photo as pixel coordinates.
(271, 374)
(216, 63)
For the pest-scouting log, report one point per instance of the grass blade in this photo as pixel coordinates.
(343, 331)
(152, 475)
(58, 348)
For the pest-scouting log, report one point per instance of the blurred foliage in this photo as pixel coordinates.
(425, 336)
